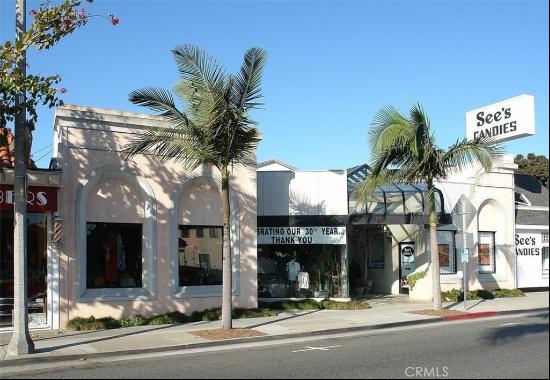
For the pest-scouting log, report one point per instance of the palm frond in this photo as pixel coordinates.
(423, 139)
(247, 84)
(465, 152)
(158, 100)
(176, 143)
(244, 145)
(198, 67)
(389, 129)
(199, 100)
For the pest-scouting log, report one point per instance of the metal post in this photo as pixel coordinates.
(21, 342)
(465, 252)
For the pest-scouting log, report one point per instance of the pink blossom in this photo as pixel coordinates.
(33, 12)
(115, 20)
(62, 90)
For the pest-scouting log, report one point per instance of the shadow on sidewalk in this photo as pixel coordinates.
(283, 319)
(55, 348)
(469, 304)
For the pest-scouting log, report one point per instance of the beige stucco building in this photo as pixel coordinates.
(161, 213)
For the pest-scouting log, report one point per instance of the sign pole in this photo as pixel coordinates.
(464, 255)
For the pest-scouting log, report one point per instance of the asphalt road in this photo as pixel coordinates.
(485, 348)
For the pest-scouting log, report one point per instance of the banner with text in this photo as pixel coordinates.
(301, 235)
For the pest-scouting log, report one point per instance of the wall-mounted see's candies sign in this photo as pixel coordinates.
(506, 120)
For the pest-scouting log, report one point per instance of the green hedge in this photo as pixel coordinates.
(351, 305)
(171, 318)
(91, 323)
(266, 309)
(311, 304)
(456, 295)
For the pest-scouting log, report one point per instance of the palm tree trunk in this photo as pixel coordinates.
(227, 296)
(436, 283)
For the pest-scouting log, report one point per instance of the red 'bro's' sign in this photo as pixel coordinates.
(39, 198)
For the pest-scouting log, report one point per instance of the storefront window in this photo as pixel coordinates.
(200, 255)
(37, 255)
(486, 252)
(114, 256)
(447, 252)
(545, 260)
(376, 248)
(286, 271)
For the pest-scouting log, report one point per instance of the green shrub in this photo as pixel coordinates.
(413, 278)
(307, 304)
(133, 321)
(453, 295)
(211, 315)
(264, 305)
(253, 313)
(502, 293)
(480, 295)
(456, 295)
(172, 318)
(350, 305)
(80, 324)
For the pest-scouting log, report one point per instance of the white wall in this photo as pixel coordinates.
(302, 193)
(529, 251)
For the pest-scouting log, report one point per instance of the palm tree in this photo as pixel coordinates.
(404, 150)
(215, 128)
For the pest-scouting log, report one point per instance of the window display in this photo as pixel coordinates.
(486, 252)
(200, 255)
(447, 252)
(286, 271)
(37, 254)
(114, 258)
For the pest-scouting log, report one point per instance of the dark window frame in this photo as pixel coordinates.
(208, 235)
(493, 253)
(454, 254)
(139, 280)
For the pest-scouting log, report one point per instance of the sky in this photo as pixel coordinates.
(331, 65)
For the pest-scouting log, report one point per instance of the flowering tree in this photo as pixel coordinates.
(49, 25)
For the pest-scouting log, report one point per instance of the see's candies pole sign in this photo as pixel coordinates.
(506, 120)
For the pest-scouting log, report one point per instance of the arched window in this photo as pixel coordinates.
(200, 236)
(116, 238)
(114, 257)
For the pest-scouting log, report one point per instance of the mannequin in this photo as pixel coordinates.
(293, 268)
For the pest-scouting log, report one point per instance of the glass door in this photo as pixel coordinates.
(37, 259)
(407, 253)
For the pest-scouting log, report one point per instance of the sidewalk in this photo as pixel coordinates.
(384, 313)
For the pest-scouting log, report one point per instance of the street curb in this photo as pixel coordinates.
(77, 357)
(484, 314)
(488, 314)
